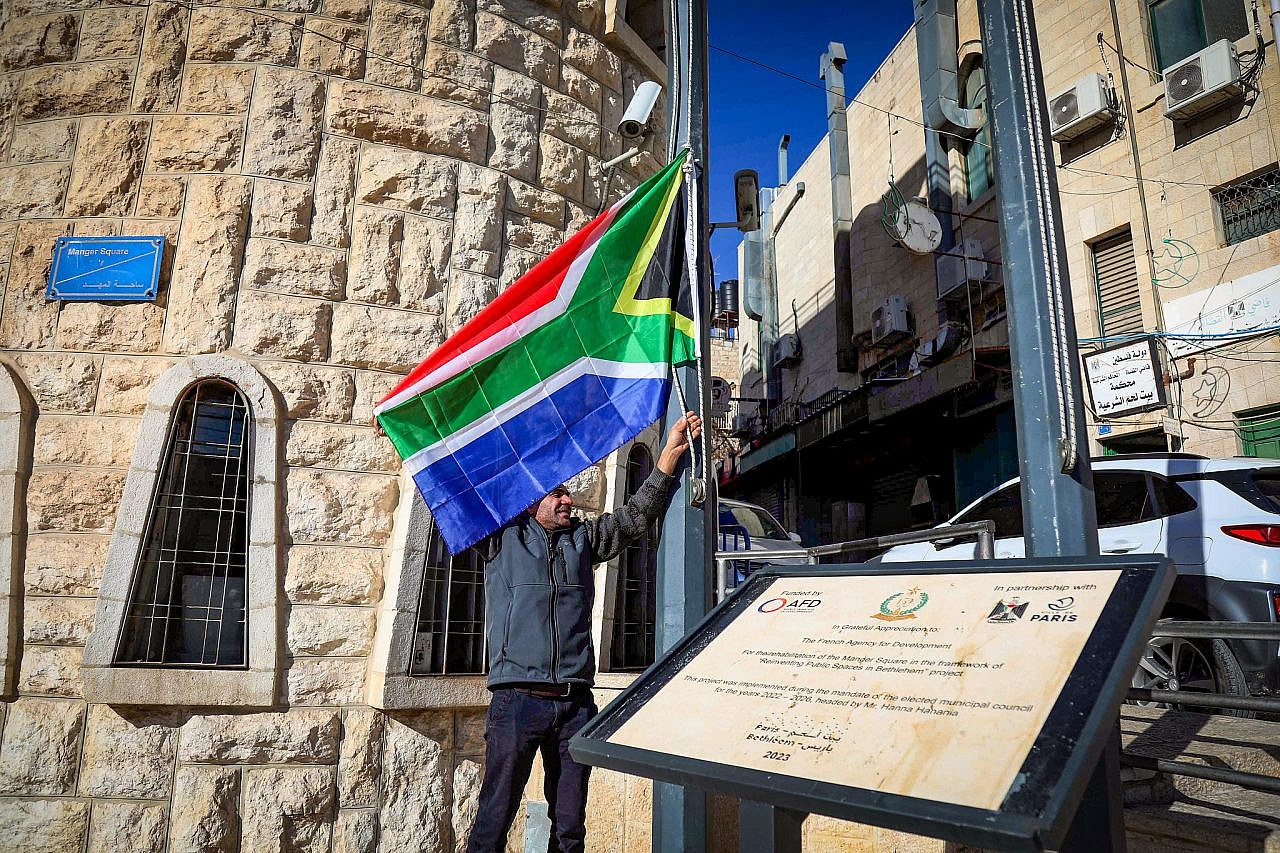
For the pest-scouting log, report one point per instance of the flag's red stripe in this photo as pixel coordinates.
(530, 292)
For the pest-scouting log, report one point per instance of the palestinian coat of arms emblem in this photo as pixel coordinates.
(902, 605)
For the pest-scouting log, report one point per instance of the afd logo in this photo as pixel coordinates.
(789, 605)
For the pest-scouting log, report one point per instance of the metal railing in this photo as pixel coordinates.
(983, 531)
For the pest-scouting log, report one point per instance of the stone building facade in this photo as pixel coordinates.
(339, 184)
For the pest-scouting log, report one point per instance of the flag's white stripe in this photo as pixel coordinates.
(498, 340)
(486, 422)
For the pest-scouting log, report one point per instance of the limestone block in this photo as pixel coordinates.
(424, 264)
(371, 388)
(398, 35)
(326, 681)
(128, 752)
(216, 88)
(195, 143)
(415, 812)
(43, 826)
(283, 737)
(408, 181)
(288, 809)
(360, 758)
(542, 18)
(588, 55)
(334, 506)
(294, 268)
(37, 189)
(8, 107)
(516, 48)
(41, 743)
(405, 119)
(73, 499)
(333, 48)
(356, 831)
(453, 23)
(515, 263)
(467, 775)
(27, 42)
(58, 621)
(561, 167)
(335, 185)
(28, 319)
(537, 237)
(348, 10)
(462, 78)
(535, 203)
(51, 671)
(136, 827)
(588, 488)
(354, 448)
(382, 339)
(572, 122)
(71, 90)
(581, 88)
(585, 13)
(206, 811)
(323, 393)
(111, 33)
(333, 575)
(283, 327)
(205, 272)
(468, 295)
(115, 327)
(375, 256)
(469, 727)
(61, 382)
(513, 120)
(281, 209)
(126, 382)
(477, 224)
(284, 124)
(65, 565)
(164, 49)
(232, 35)
(47, 140)
(330, 631)
(161, 197)
(78, 440)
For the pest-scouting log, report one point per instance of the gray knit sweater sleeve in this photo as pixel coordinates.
(613, 531)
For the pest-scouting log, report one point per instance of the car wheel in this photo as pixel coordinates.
(1190, 666)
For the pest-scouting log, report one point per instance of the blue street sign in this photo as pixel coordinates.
(106, 269)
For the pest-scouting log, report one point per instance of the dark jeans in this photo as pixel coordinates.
(519, 726)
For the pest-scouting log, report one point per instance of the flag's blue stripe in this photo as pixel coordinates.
(502, 472)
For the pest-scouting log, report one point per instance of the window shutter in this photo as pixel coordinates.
(1116, 277)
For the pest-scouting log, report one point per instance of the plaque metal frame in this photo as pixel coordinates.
(1036, 812)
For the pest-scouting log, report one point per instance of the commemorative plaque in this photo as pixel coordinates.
(968, 701)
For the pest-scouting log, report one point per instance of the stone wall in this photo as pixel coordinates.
(340, 185)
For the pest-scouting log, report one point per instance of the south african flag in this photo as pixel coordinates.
(572, 361)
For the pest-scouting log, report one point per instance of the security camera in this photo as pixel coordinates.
(635, 121)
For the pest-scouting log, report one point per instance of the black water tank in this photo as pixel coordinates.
(727, 298)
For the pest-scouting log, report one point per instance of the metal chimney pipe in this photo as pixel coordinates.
(786, 141)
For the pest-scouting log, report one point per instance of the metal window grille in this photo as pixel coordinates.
(1116, 278)
(449, 635)
(1249, 208)
(636, 603)
(187, 595)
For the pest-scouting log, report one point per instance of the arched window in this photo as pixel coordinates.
(187, 599)
(449, 635)
(189, 606)
(16, 415)
(635, 603)
(978, 174)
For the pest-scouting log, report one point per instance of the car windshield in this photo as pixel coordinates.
(753, 519)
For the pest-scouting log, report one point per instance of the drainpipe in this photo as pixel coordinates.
(832, 72)
(786, 141)
(1275, 17)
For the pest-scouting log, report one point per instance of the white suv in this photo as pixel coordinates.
(1218, 520)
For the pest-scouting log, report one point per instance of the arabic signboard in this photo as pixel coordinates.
(1125, 379)
(106, 269)
(968, 701)
(1232, 307)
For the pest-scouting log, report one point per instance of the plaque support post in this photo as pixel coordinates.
(768, 829)
(1057, 485)
(685, 549)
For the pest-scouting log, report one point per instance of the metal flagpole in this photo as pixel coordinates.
(1057, 485)
(685, 550)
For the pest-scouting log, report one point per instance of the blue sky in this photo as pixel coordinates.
(751, 107)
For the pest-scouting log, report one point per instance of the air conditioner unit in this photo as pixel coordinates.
(741, 426)
(965, 262)
(1202, 81)
(789, 351)
(889, 321)
(1084, 107)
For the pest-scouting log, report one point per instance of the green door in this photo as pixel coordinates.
(1260, 434)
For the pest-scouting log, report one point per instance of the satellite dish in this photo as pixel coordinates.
(919, 229)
